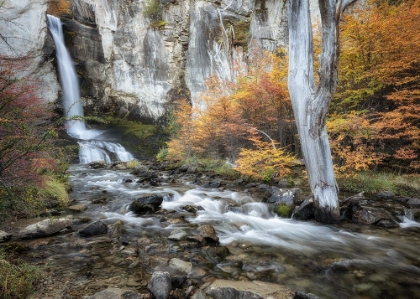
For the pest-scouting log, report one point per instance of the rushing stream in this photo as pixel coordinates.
(329, 261)
(343, 261)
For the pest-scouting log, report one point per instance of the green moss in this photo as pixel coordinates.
(283, 210)
(158, 24)
(133, 128)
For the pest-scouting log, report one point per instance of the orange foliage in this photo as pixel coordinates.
(264, 161)
(380, 73)
(59, 7)
(351, 144)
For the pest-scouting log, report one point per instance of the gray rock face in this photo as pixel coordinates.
(129, 63)
(44, 228)
(24, 36)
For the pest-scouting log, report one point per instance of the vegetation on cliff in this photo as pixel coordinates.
(373, 120)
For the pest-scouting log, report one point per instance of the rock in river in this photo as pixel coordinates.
(44, 228)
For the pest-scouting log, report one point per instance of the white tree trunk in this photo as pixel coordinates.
(311, 102)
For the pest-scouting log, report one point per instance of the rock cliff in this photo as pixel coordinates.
(136, 64)
(23, 38)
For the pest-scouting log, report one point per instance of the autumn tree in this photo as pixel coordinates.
(379, 76)
(263, 97)
(311, 99)
(25, 132)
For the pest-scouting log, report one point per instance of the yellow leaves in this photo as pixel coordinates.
(351, 144)
(264, 161)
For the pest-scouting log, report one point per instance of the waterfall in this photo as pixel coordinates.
(71, 96)
(89, 150)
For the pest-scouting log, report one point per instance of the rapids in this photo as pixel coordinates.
(341, 261)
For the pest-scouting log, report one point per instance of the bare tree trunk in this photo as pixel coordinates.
(310, 102)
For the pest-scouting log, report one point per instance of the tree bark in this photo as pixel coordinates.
(310, 101)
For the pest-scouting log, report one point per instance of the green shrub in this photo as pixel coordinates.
(17, 280)
(133, 164)
(153, 10)
(161, 155)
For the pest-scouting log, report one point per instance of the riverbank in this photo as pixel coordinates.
(183, 234)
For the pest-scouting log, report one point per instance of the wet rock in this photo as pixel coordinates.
(77, 208)
(160, 285)
(369, 215)
(183, 168)
(302, 295)
(206, 235)
(45, 228)
(146, 204)
(200, 294)
(222, 289)
(4, 237)
(97, 164)
(306, 210)
(115, 293)
(414, 202)
(180, 265)
(385, 194)
(216, 183)
(139, 170)
(93, 229)
(177, 235)
(277, 195)
(177, 281)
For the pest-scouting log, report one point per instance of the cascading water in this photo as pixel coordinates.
(71, 95)
(89, 150)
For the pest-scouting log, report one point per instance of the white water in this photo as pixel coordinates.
(89, 150)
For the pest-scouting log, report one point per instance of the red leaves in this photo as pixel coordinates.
(24, 128)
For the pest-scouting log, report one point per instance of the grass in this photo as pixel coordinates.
(17, 279)
(56, 189)
(374, 182)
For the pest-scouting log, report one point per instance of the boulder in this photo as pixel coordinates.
(177, 235)
(414, 202)
(216, 183)
(206, 235)
(385, 194)
(93, 229)
(44, 228)
(4, 237)
(222, 289)
(146, 204)
(180, 265)
(98, 164)
(160, 285)
(369, 215)
(275, 195)
(114, 293)
(306, 210)
(77, 208)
